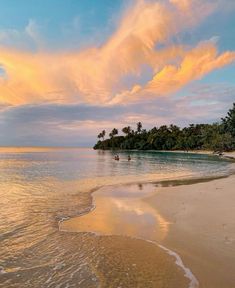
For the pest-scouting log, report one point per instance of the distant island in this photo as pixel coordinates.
(216, 137)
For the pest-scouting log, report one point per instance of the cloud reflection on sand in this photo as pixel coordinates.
(121, 210)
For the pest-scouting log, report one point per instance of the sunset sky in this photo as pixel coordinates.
(70, 68)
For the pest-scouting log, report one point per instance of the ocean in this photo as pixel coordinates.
(40, 188)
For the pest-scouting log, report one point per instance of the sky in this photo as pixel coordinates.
(71, 68)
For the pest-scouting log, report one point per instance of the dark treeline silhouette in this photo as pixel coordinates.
(216, 137)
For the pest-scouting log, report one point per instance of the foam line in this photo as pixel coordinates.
(178, 261)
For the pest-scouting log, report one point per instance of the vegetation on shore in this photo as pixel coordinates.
(216, 137)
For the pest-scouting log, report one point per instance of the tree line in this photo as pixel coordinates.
(217, 137)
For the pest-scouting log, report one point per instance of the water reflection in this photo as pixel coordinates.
(122, 210)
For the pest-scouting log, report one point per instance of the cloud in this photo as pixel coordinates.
(60, 124)
(194, 64)
(94, 75)
(33, 31)
(28, 38)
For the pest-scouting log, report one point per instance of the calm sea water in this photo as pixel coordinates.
(41, 186)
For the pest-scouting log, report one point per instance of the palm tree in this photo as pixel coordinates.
(103, 134)
(126, 130)
(114, 132)
(139, 127)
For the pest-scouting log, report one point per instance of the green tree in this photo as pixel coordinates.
(217, 136)
(229, 121)
(223, 142)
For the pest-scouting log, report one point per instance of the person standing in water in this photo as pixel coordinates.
(129, 158)
(116, 157)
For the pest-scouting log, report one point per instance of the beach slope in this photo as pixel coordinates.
(202, 228)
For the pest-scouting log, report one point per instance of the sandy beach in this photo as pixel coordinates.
(202, 228)
(195, 220)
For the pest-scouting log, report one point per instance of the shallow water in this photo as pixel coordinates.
(41, 186)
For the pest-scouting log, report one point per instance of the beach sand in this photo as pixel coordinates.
(203, 228)
(194, 218)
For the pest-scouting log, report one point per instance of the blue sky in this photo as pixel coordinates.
(75, 22)
(69, 69)
(16, 14)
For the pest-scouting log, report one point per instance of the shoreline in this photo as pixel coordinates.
(168, 209)
(168, 258)
(187, 182)
(226, 155)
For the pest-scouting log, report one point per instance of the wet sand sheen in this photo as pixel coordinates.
(120, 210)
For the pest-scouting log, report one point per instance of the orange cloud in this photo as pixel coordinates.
(94, 75)
(194, 65)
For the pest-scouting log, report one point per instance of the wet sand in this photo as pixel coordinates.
(120, 211)
(195, 220)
